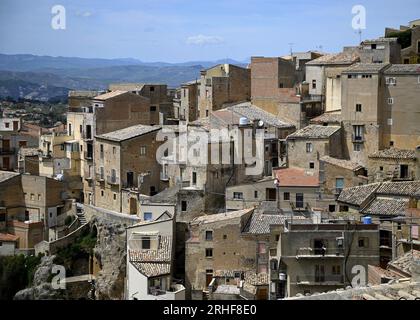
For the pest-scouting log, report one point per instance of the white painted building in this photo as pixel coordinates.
(150, 256)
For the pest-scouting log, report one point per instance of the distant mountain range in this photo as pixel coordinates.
(45, 77)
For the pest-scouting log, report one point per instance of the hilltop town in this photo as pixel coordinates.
(295, 177)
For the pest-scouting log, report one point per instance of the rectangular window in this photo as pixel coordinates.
(311, 165)
(336, 270)
(209, 253)
(339, 184)
(358, 107)
(357, 147)
(238, 195)
(39, 197)
(390, 101)
(286, 196)
(363, 242)
(389, 122)
(255, 194)
(313, 84)
(147, 216)
(209, 235)
(299, 200)
(391, 81)
(183, 206)
(145, 243)
(143, 150)
(358, 132)
(152, 108)
(114, 150)
(115, 196)
(309, 147)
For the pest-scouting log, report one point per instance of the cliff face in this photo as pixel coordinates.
(110, 251)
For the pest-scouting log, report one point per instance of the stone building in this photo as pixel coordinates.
(400, 106)
(189, 97)
(126, 166)
(393, 165)
(216, 244)
(32, 207)
(150, 260)
(410, 50)
(307, 257)
(337, 174)
(275, 89)
(324, 76)
(296, 191)
(384, 203)
(301, 59)
(12, 138)
(221, 84)
(382, 50)
(161, 106)
(379, 108)
(306, 146)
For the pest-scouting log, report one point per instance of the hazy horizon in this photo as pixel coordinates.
(176, 31)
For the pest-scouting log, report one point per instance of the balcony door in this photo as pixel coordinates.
(130, 179)
(6, 145)
(6, 163)
(319, 273)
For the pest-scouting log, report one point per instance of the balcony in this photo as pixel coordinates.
(357, 138)
(88, 155)
(87, 175)
(113, 180)
(7, 151)
(100, 177)
(311, 252)
(87, 136)
(321, 279)
(164, 176)
(175, 292)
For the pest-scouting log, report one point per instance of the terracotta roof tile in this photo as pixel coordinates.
(296, 177)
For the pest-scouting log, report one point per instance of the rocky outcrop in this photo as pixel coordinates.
(42, 289)
(110, 251)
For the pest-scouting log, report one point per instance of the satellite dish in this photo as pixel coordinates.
(260, 123)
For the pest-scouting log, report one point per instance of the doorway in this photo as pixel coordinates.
(6, 163)
(133, 206)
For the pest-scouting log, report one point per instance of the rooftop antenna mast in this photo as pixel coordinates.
(291, 48)
(359, 32)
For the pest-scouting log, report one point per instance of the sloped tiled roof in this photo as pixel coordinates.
(128, 133)
(404, 188)
(260, 222)
(393, 153)
(252, 112)
(403, 69)
(110, 95)
(386, 207)
(314, 131)
(221, 216)
(153, 263)
(6, 237)
(366, 68)
(404, 262)
(357, 195)
(346, 57)
(346, 164)
(296, 177)
(327, 117)
(7, 175)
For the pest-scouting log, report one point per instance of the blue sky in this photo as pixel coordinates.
(185, 30)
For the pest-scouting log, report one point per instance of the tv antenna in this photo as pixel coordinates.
(359, 32)
(291, 48)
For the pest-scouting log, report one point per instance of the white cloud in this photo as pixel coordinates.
(204, 40)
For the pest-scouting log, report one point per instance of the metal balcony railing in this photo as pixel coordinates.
(319, 252)
(6, 151)
(324, 279)
(88, 155)
(357, 138)
(164, 176)
(100, 177)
